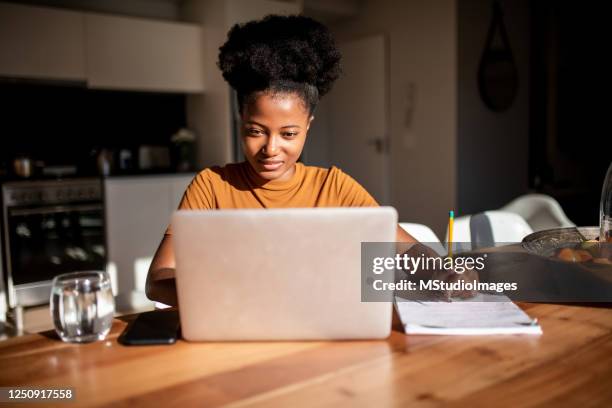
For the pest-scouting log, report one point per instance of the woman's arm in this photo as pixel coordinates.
(161, 286)
(403, 236)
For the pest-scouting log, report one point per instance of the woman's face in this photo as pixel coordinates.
(274, 130)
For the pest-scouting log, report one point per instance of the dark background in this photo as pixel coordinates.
(63, 124)
(570, 145)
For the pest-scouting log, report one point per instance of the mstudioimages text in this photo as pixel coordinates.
(440, 285)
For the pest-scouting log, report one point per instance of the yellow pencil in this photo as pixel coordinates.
(451, 220)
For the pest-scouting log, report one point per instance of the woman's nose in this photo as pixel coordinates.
(271, 147)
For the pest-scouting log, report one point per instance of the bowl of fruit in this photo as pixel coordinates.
(579, 246)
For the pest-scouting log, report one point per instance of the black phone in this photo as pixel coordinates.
(156, 327)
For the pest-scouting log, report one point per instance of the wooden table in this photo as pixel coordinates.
(569, 365)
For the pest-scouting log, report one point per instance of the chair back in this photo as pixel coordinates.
(540, 211)
(489, 228)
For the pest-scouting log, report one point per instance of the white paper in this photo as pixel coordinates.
(484, 314)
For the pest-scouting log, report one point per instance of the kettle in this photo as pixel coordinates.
(23, 166)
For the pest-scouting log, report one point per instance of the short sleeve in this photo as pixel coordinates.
(199, 193)
(197, 196)
(351, 193)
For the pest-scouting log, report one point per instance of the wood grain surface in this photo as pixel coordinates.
(569, 365)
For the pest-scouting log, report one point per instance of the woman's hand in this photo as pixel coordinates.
(451, 276)
(161, 286)
(436, 273)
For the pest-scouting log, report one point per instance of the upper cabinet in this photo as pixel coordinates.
(241, 11)
(139, 54)
(107, 52)
(44, 43)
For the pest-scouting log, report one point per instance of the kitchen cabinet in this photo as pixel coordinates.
(41, 43)
(138, 210)
(104, 51)
(138, 54)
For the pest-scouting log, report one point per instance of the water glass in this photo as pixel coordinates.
(605, 209)
(82, 306)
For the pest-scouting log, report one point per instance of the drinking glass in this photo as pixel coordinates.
(82, 306)
(605, 209)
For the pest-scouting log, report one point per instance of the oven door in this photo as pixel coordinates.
(44, 242)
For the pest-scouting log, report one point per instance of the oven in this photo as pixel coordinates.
(49, 228)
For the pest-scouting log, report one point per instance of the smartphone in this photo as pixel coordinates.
(156, 327)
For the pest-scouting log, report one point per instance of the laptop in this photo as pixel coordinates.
(278, 274)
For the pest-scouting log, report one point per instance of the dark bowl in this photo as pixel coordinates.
(545, 243)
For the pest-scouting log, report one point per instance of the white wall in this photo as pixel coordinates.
(492, 147)
(422, 37)
(317, 149)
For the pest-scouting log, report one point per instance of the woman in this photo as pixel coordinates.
(279, 66)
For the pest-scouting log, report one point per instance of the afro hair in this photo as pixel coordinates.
(280, 53)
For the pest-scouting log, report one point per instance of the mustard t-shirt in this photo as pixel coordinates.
(235, 186)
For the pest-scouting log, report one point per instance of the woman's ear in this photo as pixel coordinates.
(309, 122)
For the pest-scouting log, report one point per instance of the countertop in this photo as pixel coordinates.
(143, 173)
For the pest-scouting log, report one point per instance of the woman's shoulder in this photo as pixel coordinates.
(331, 177)
(322, 171)
(329, 174)
(346, 189)
(220, 173)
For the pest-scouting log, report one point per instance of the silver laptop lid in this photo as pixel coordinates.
(278, 274)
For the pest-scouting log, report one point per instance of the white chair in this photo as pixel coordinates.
(540, 211)
(420, 232)
(488, 229)
(424, 234)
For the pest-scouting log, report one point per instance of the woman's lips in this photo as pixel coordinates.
(271, 165)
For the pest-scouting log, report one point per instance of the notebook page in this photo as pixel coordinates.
(485, 314)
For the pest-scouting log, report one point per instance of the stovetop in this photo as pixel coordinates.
(45, 192)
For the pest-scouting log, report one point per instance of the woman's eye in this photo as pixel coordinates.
(290, 134)
(255, 132)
